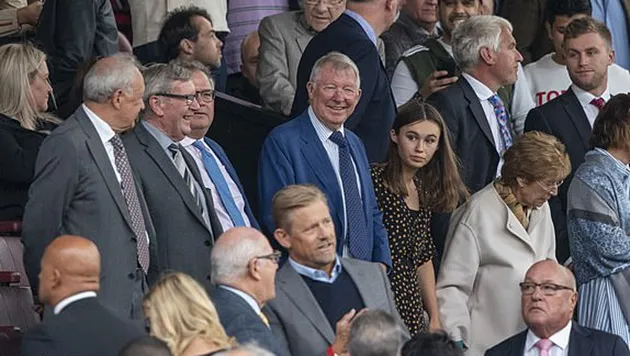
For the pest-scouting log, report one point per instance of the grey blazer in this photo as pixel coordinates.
(184, 239)
(283, 38)
(297, 321)
(75, 191)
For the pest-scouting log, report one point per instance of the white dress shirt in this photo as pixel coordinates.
(71, 299)
(560, 342)
(239, 200)
(106, 133)
(585, 98)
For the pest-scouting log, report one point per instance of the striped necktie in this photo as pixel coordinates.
(183, 170)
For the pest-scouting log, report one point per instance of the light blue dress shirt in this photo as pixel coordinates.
(612, 13)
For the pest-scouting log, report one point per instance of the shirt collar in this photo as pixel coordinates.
(187, 141)
(103, 129)
(71, 299)
(481, 90)
(560, 339)
(585, 97)
(248, 298)
(369, 31)
(317, 274)
(323, 131)
(160, 136)
(620, 164)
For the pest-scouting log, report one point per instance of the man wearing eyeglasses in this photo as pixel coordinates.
(548, 298)
(244, 269)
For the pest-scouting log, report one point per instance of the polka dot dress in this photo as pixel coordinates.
(411, 246)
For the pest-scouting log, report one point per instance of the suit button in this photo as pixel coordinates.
(207, 243)
(131, 276)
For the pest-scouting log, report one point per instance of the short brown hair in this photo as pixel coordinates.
(612, 126)
(535, 156)
(584, 25)
(293, 197)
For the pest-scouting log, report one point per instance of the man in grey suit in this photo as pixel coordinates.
(84, 185)
(185, 219)
(283, 39)
(318, 294)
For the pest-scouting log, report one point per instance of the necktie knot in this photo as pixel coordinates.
(598, 103)
(264, 319)
(174, 148)
(544, 345)
(496, 101)
(198, 145)
(338, 138)
(116, 141)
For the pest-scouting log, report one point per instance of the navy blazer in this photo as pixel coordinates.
(374, 115)
(582, 342)
(223, 158)
(240, 321)
(294, 154)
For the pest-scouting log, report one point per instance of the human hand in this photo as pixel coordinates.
(340, 346)
(438, 80)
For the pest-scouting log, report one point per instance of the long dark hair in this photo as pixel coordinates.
(442, 186)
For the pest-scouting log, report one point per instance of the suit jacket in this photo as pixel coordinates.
(283, 39)
(84, 327)
(184, 239)
(582, 342)
(487, 244)
(298, 322)
(374, 114)
(564, 118)
(71, 32)
(223, 158)
(240, 321)
(294, 154)
(75, 191)
(528, 19)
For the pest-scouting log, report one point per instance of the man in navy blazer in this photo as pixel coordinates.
(315, 148)
(218, 175)
(548, 298)
(355, 34)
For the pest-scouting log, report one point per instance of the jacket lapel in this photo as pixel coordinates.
(575, 112)
(364, 284)
(579, 341)
(475, 107)
(518, 346)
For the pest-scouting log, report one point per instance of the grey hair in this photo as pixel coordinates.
(474, 34)
(194, 66)
(251, 349)
(103, 80)
(159, 78)
(339, 62)
(228, 261)
(376, 333)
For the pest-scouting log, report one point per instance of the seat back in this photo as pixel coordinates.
(11, 258)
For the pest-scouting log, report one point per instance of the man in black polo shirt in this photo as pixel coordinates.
(317, 292)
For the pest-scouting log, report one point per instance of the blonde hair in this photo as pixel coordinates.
(293, 197)
(20, 65)
(179, 310)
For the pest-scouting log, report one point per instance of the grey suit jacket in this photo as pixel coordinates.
(184, 239)
(283, 38)
(297, 321)
(75, 191)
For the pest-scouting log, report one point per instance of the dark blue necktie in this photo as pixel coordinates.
(358, 241)
(220, 184)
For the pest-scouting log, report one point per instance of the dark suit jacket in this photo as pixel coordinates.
(294, 154)
(17, 166)
(564, 118)
(376, 110)
(184, 239)
(71, 32)
(75, 191)
(582, 342)
(218, 151)
(84, 328)
(240, 321)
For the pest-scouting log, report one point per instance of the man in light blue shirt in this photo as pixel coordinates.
(616, 15)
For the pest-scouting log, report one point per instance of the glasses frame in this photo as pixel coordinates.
(189, 99)
(547, 188)
(273, 257)
(329, 3)
(199, 95)
(554, 288)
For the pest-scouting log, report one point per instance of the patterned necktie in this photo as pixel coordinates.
(221, 185)
(183, 170)
(543, 346)
(502, 119)
(598, 103)
(355, 215)
(133, 203)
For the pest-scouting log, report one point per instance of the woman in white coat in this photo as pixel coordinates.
(494, 238)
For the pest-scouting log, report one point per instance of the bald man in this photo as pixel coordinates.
(244, 85)
(69, 282)
(548, 298)
(244, 269)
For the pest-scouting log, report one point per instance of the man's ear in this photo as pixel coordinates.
(283, 238)
(487, 55)
(186, 46)
(116, 99)
(548, 28)
(391, 5)
(153, 104)
(56, 279)
(253, 269)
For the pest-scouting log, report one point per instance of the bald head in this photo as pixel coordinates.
(71, 264)
(249, 57)
(553, 268)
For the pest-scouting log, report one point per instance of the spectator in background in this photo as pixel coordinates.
(14, 17)
(244, 84)
(494, 238)
(146, 346)
(181, 314)
(70, 33)
(417, 21)
(376, 333)
(431, 344)
(420, 176)
(548, 77)
(616, 15)
(528, 19)
(80, 324)
(24, 77)
(283, 39)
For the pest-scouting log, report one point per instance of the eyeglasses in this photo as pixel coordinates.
(187, 98)
(347, 92)
(207, 96)
(273, 257)
(548, 188)
(548, 289)
(325, 2)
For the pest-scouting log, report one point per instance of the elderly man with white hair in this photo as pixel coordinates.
(244, 269)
